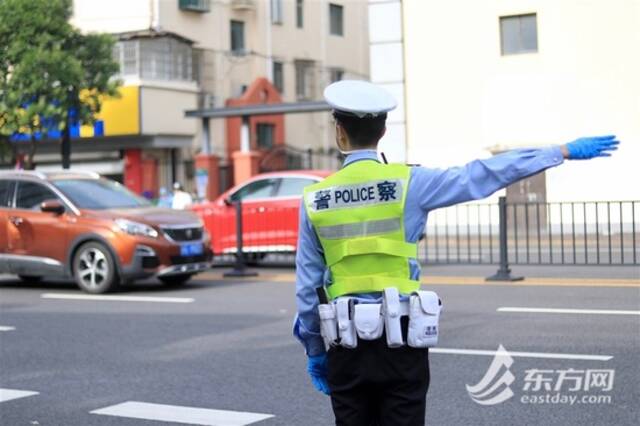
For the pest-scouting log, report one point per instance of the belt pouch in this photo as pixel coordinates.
(391, 310)
(328, 323)
(424, 314)
(368, 319)
(346, 329)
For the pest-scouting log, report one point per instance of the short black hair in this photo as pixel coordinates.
(362, 132)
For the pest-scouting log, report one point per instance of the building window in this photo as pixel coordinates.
(518, 34)
(197, 63)
(299, 13)
(237, 38)
(278, 76)
(336, 24)
(276, 11)
(336, 74)
(159, 58)
(304, 80)
(265, 135)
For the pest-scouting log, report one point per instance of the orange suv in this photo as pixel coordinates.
(80, 225)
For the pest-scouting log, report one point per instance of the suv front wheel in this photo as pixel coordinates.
(94, 268)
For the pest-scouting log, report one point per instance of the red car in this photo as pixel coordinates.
(270, 205)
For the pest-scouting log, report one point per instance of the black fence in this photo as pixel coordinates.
(576, 233)
(569, 233)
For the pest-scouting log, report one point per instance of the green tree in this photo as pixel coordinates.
(50, 73)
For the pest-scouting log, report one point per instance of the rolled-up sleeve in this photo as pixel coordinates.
(310, 271)
(436, 188)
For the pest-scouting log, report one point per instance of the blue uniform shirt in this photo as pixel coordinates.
(429, 189)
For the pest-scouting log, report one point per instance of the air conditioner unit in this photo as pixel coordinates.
(201, 6)
(243, 5)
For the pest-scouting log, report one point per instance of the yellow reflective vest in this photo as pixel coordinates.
(358, 215)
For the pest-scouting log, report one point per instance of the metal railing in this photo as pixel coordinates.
(567, 233)
(577, 233)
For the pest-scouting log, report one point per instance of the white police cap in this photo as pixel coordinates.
(360, 98)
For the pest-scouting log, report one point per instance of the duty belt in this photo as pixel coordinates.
(345, 320)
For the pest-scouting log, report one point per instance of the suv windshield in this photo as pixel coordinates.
(99, 194)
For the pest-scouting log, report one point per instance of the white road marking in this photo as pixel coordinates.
(567, 311)
(116, 298)
(6, 328)
(549, 355)
(179, 414)
(9, 394)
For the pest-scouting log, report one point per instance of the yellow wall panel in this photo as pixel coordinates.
(121, 115)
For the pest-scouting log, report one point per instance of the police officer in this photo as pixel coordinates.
(358, 234)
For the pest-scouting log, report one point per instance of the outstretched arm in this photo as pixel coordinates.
(480, 178)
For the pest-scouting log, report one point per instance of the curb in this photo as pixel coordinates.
(456, 280)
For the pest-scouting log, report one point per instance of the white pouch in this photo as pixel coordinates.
(368, 319)
(424, 315)
(328, 324)
(346, 328)
(392, 313)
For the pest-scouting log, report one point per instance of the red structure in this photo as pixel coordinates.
(140, 173)
(133, 170)
(245, 164)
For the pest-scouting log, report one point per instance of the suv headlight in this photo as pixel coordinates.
(135, 228)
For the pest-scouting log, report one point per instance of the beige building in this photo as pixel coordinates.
(188, 54)
(505, 74)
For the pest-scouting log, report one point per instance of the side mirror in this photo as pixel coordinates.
(227, 201)
(52, 206)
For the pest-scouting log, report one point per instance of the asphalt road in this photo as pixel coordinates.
(217, 345)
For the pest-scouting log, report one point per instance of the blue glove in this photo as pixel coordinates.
(586, 148)
(317, 369)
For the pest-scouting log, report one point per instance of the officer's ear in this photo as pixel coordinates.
(341, 137)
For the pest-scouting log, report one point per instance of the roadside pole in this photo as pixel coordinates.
(504, 272)
(240, 267)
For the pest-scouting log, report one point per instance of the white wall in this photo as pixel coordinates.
(113, 16)
(163, 110)
(387, 70)
(463, 96)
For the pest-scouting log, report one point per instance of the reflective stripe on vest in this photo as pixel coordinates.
(360, 229)
(358, 215)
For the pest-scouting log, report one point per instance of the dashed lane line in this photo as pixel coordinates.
(180, 414)
(567, 311)
(115, 298)
(10, 394)
(545, 355)
(6, 328)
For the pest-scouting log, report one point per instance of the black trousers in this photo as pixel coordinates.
(377, 385)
